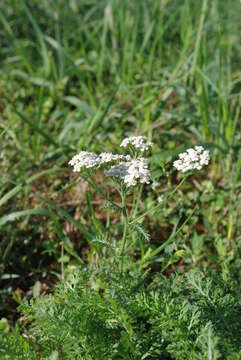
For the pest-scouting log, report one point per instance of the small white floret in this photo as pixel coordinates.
(160, 199)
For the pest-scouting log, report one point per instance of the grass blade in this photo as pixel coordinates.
(18, 214)
(28, 181)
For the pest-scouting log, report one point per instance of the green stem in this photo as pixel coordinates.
(157, 206)
(125, 230)
(138, 199)
(98, 189)
(155, 252)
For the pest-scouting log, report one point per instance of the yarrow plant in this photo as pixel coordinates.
(130, 171)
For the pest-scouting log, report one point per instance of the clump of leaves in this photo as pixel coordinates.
(14, 345)
(103, 314)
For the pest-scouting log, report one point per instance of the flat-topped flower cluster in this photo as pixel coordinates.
(137, 142)
(124, 167)
(134, 170)
(192, 159)
(87, 160)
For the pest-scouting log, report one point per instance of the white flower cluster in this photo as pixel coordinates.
(192, 159)
(84, 159)
(89, 160)
(138, 142)
(131, 172)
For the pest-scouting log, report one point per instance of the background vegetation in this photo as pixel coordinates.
(83, 74)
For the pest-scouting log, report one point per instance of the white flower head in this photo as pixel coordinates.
(84, 160)
(131, 172)
(192, 159)
(138, 142)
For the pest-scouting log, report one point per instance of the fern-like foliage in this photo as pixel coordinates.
(105, 315)
(141, 232)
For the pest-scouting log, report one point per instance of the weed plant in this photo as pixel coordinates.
(147, 264)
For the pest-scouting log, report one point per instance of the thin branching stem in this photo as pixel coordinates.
(155, 252)
(125, 227)
(98, 189)
(158, 206)
(137, 202)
